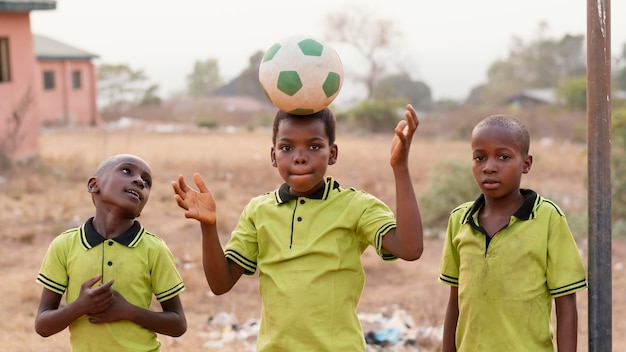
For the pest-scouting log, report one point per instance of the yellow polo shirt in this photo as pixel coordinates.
(141, 265)
(507, 284)
(307, 251)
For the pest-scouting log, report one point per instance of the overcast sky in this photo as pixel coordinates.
(448, 43)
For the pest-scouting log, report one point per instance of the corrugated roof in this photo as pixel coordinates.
(50, 49)
(27, 5)
(545, 95)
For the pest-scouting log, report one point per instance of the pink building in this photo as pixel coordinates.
(41, 81)
(68, 84)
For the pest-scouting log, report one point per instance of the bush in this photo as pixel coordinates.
(452, 184)
(375, 115)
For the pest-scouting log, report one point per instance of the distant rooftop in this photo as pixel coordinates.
(27, 5)
(50, 49)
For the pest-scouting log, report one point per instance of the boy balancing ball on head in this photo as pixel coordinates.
(306, 237)
(109, 268)
(508, 254)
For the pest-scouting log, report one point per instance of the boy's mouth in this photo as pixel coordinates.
(134, 193)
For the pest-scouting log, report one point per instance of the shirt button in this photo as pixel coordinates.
(299, 218)
(110, 243)
(302, 201)
(109, 263)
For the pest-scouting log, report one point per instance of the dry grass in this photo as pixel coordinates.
(38, 204)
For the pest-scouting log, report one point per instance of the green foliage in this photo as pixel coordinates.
(204, 79)
(452, 184)
(540, 62)
(574, 92)
(150, 96)
(375, 115)
(618, 169)
(401, 86)
(207, 123)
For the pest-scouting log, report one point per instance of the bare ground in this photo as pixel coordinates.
(35, 205)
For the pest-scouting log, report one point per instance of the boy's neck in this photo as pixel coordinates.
(111, 227)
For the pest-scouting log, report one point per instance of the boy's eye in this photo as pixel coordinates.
(315, 147)
(126, 171)
(147, 182)
(285, 148)
(478, 157)
(505, 157)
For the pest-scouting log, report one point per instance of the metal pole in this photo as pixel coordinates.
(599, 172)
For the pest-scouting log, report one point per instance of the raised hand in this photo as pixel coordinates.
(401, 143)
(199, 205)
(93, 300)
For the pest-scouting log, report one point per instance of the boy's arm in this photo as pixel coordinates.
(51, 319)
(566, 323)
(450, 321)
(171, 321)
(221, 274)
(406, 241)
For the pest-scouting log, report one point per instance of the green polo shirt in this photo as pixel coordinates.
(141, 265)
(307, 251)
(507, 284)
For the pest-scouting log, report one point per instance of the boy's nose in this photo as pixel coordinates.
(489, 167)
(139, 182)
(300, 157)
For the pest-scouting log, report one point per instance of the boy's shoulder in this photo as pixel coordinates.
(463, 208)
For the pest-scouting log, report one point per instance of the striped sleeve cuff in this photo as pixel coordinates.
(568, 289)
(172, 292)
(50, 284)
(379, 242)
(449, 280)
(248, 265)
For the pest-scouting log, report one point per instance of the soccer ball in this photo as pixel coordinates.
(301, 75)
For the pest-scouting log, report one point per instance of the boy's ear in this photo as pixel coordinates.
(92, 185)
(334, 152)
(528, 162)
(273, 157)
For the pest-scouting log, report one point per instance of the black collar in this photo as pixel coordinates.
(92, 238)
(282, 194)
(525, 212)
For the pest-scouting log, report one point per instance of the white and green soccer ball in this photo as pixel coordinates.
(301, 75)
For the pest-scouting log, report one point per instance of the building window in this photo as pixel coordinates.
(5, 69)
(76, 79)
(48, 80)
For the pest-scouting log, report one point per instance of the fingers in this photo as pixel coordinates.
(200, 183)
(181, 202)
(411, 117)
(181, 187)
(89, 283)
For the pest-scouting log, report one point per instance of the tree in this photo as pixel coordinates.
(542, 62)
(574, 93)
(204, 79)
(120, 86)
(373, 38)
(401, 86)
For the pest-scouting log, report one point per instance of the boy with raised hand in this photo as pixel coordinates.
(306, 237)
(109, 268)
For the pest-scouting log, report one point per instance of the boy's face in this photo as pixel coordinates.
(122, 187)
(497, 161)
(302, 153)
